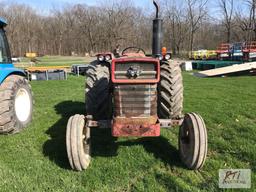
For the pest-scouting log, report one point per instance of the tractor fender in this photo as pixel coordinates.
(8, 69)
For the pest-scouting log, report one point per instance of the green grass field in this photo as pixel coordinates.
(36, 160)
(55, 61)
(60, 60)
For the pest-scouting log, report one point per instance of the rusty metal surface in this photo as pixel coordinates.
(107, 124)
(136, 120)
(103, 124)
(169, 123)
(135, 100)
(121, 130)
(139, 127)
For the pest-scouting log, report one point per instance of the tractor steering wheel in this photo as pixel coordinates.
(136, 48)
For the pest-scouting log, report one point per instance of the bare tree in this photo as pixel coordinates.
(82, 29)
(227, 9)
(249, 24)
(242, 26)
(196, 11)
(177, 26)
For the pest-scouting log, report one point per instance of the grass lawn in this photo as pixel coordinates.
(60, 60)
(36, 160)
(55, 61)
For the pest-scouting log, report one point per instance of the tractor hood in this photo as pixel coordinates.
(3, 22)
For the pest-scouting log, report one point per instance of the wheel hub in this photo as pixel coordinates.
(22, 105)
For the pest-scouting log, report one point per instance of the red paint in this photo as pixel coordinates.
(135, 129)
(250, 47)
(223, 48)
(135, 81)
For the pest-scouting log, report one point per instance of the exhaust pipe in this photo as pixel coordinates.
(157, 33)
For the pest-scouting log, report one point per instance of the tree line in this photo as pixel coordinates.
(81, 29)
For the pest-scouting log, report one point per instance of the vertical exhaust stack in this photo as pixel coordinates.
(157, 33)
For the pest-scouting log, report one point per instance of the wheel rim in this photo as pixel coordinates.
(185, 138)
(84, 145)
(22, 105)
(86, 142)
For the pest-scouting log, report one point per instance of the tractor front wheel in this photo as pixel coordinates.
(16, 104)
(78, 143)
(193, 141)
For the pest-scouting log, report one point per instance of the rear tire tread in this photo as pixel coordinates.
(97, 92)
(170, 92)
(9, 124)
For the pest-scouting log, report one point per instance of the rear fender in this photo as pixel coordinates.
(7, 70)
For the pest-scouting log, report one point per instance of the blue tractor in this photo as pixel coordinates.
(236, 51)
(16, 102)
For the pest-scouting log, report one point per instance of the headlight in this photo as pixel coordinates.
(160, 57)
(167, 56)
(101, 58)
(108, 57)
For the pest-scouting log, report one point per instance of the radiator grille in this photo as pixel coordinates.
(138, 100)
(143, 70)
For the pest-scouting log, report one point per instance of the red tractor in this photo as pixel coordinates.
(249, 51)
(136, 96)
(223, 51)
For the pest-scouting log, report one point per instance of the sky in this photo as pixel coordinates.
(45, 5)
(49, 3)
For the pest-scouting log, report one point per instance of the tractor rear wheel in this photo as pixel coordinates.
(170, 92)
(16, 104)
(97, 92)
(193, 141)
(78, 143)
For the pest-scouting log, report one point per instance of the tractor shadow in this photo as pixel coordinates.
(104, 145)
(55, 147)
(102, 142)
(160, 147)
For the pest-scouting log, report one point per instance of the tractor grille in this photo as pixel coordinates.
(135, 100)
(141, 70)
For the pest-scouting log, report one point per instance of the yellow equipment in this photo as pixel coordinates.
(203, 55)
(31, 55)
